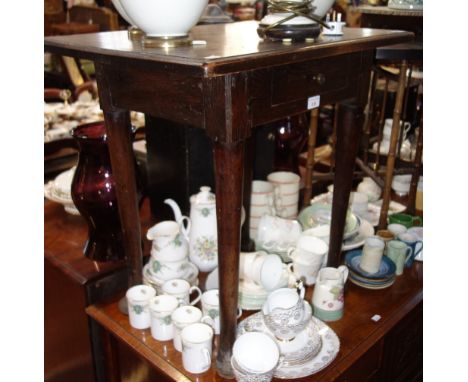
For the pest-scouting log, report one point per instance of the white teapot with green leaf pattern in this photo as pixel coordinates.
(203, 235)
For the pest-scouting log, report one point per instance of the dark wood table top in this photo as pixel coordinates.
(384, 10)
(229, 47)
(356, 331)
(64, 239)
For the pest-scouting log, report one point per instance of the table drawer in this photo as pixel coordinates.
(366, 368)
(321, 76)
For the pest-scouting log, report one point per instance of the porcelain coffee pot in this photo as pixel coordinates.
(203, 235)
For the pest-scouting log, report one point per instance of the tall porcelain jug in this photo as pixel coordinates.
(203, 235)
(328, 297)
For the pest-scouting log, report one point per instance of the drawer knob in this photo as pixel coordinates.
(320, 78)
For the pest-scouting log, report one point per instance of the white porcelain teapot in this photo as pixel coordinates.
(203, 235)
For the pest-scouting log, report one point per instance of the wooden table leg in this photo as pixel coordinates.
(111, 360)
(229, 167)
(411, 207)
(347, 144)
(393, 146)
(247, 244)
(310, 156)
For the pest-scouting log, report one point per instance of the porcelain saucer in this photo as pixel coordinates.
(330, 346)
(365, 230)
(68, 204)
(191, 275)
(372, 286)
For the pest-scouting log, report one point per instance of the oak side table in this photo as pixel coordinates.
(227, 87)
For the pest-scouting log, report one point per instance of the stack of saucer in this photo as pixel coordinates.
(380, 280)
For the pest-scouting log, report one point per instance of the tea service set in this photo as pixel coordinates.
(288, 338)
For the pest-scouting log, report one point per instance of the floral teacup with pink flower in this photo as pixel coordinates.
(328, 297)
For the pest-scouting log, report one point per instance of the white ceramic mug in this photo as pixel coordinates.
(372, 253)
(182, 290)
(210, 307)
(276, 234)
(197, 342)
(255, 357)
(161, 308)
(359, 202)
(184, 316)
(262, 200)
(287, 196)
(138, 299)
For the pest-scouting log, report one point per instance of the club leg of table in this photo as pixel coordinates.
(122, 160)
(229, 168)
(348, 133)
(390, 165)
(247, 244)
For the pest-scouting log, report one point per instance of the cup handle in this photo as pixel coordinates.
(406, 128)
(409, 250)
(344, 271)
(239, 312)
(418, 220)
(185, 229)
(271, 204)
(420, 248)
(206, 353)
(289, 267)
(291, 251)
(208, 320)
(195, 288)
(300, 288)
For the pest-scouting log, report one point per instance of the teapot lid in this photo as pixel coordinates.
(204, 196)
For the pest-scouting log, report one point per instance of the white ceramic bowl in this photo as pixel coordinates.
(159, 18)
(122, 12)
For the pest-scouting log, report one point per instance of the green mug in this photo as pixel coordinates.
(399, 253)
(404, 219)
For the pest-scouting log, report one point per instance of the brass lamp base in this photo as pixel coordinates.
(166, 41)
(135, 34)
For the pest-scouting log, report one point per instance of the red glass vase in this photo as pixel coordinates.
(290, 136)
(93, 192)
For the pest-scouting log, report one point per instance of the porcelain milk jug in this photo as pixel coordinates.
(203, 235)
(328, 297)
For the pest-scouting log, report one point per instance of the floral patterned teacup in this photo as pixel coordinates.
(161, 308)
(138, 299)
(328, 297)
(168, 270)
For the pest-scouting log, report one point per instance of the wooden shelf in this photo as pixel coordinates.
(357, 332)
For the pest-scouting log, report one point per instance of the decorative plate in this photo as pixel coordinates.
(353, 261)
(68, 204)
(191, 276)
(368, 286)
(365, 230)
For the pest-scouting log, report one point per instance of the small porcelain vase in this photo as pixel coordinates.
(328, 297)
